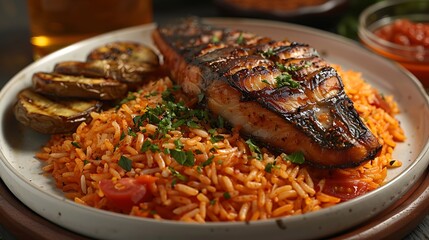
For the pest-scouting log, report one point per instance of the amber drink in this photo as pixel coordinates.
(58, 23)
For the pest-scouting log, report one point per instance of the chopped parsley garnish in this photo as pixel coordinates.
(292, 67)
(185, 158)
(265, 81)
(85, 162)
(240, 39)
(178, 144)
(147, 145)
(285, 80)
(131, 133)
(122, 136)
(131, 96)
(295, 157)
(177, 175)
(201, 97)
(208, 161)
(226, 195)
(170, 115)
(270, 166)
(268, 53)
(75, 144)
(215, 39)
(125, 163)
(254, 149)
(216, 138)
(151, 94)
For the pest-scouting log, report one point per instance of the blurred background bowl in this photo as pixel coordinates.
(317, 13)
(409, 41)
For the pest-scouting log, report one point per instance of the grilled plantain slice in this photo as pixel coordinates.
(125, 51)
(78, 86)
(127, 72)
(49, 116)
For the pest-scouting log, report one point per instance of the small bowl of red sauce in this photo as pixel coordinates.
(399, 30)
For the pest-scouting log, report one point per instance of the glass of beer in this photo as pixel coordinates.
(55, 24)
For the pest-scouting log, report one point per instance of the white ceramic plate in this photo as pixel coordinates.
(22, 172)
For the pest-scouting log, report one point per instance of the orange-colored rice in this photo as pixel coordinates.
(289, 189)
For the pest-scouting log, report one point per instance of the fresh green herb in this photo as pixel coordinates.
(220, 122)
(147, 145)
(122, 136)
(131, 96)
(131, 133)
(198, 151)
(208, 161)
(200, 97)
(177, 175)
(192, 124)
(265, 81)
(216, 138)
(295, 157)
(125, 163)
(85, 162)
(240, 39)
(285, 79)
(199, 169)
(293, 67)
(270, 166)
(211, 131)
(182, 157)
(167, 151)
(75, 144)
(226, 195)
(254, 149)
(281, 67)
(268, 53)
(215, 39)
(170, 115)
(173, 182)
(178, 144)
(154, 93)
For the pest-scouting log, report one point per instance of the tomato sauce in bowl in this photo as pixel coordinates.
(399, 30)
(405, 32)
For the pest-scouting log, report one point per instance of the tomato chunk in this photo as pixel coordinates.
(126, 192)
(345, 189)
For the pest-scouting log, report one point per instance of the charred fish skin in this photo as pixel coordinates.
(281, 93)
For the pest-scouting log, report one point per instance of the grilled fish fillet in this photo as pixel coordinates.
(281, 93)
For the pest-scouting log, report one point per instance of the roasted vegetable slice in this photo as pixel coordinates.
(78, 86)
(126, 52)
(50, 116)
(128, 72)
